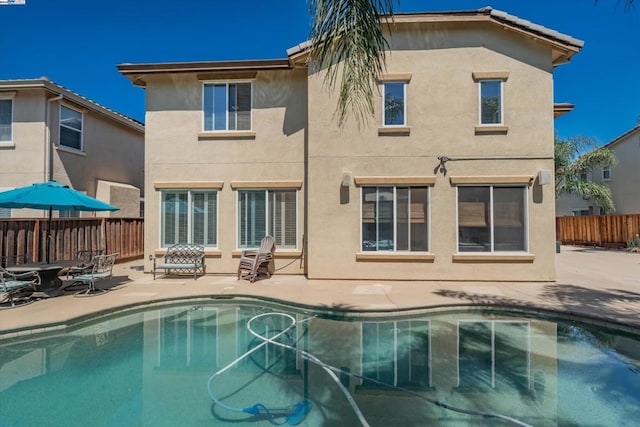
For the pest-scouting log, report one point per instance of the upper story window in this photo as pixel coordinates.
(394, 105)
(6, 120)
(491, 102)
(227, 106)
(189, 216)
(395, 219)
(606, 173)
(492, 218)
(71, 123)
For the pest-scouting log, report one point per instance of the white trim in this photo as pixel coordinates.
(527, 226)
(404, 104)
(226, 83)
(189, 213)
(61, 125)
(501, 82)
(10, 142)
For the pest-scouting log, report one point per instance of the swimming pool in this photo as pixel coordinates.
(152, 367)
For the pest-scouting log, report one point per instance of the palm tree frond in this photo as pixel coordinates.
(349, 32)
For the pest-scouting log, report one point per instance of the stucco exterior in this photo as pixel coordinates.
(112, 146)
(295, 142)
(623, 180)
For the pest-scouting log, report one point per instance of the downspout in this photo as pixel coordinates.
(48, 144)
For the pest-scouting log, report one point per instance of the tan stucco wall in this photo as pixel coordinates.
(111, 151)
(625, 175)
(293, 108)
(442, 112)
(175, 152)
(23, 162)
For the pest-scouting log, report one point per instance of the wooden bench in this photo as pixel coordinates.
(181, 258)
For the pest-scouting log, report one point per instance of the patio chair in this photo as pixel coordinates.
(255, 262)
(17, 286)
(102, 269)
(85, 261)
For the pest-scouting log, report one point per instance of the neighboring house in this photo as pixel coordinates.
(48, 132)
(451, 180)
(623, 179)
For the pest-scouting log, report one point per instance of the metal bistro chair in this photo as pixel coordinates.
(255, 262)
(102, 269)
(17, 286)
(85, 261)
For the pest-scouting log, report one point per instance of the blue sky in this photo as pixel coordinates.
(78, 43)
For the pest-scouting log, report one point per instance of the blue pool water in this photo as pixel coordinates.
(152, 367)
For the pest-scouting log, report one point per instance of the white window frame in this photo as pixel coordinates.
(9, 96)
(189, 333)
(493, 348)
(607, 170)
(189, 214)
(404, 103)
(501, 82)
(395, 350)
(267, 217)
(491, 232)
(226, 118)
(395, 222)
(61, 125)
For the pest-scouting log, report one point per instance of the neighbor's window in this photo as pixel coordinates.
(395, 219)
(490, 102)
(394, 104)
(227, 106)
(262, 212)
(396, 353)
(493, 355)
(606, 173)
(70, 128)
(69, 214)
(6, 120)
(492, 219)
(5, 212)
(189, 216)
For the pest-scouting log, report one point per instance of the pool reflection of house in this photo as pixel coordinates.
(155, 373)
(449, 180)
(471, 361)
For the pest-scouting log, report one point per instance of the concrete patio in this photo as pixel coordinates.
(596, 283)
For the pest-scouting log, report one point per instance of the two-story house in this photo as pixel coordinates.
(623, 179)
(48, 132)
(450, 180)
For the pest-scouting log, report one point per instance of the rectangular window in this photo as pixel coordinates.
(606, 173)
(227, 106)
(396, 353)
(188, 339)
(189, 216)
(493, 355)
(69, 214)
(490, 102)
(262, 212)
(70, 128)
(5, 212)
(394, 105)
(492, 219)
(6, 120)
(395, 219)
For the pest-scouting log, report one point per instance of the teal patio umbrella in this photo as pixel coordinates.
(51, 196)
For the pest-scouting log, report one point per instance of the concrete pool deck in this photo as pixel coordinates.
(597, 283)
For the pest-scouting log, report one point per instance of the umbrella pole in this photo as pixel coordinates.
(48, 239)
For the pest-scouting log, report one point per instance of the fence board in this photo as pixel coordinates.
(600, 230)
(24, 239)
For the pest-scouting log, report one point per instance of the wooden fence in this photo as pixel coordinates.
(23, 240)
(601, 230)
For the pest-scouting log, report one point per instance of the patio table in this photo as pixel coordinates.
(50, 283)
